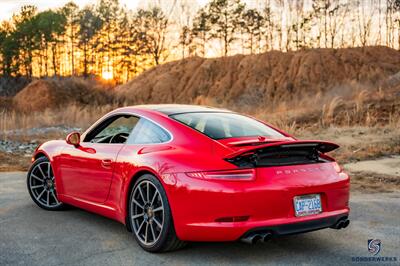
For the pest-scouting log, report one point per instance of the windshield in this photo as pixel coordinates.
(226, 125)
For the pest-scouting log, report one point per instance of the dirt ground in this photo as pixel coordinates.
(32, 236)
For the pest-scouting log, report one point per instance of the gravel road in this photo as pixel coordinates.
(30, 235)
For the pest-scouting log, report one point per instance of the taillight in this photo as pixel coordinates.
(337, 167)
(242, 174)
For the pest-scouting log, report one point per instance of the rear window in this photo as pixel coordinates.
(226, 125)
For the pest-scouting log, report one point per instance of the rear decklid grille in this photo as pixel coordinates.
(281, 153)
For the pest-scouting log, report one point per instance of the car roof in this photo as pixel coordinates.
(172, 109)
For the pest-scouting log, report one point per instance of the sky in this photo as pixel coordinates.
(9, 7)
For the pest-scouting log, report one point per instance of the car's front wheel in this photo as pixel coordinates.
(150, 216)
(42, 186)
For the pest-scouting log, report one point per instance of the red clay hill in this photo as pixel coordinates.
(273, 76)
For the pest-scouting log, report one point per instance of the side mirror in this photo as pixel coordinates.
(73, 138)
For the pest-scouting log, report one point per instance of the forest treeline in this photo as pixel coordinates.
(107, 40)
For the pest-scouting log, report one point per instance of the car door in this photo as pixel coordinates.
(86, 171)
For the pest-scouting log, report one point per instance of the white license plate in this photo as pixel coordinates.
(307, 205)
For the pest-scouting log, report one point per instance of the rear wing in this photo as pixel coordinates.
(281, 153)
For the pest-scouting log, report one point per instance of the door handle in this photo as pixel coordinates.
(106, 162)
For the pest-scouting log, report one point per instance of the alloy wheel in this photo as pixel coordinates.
(42, 185)
(147, 211)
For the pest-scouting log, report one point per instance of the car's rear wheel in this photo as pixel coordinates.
(42, 186)
(150, 216)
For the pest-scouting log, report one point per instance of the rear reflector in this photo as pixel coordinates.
(242, 174)
(232, 219)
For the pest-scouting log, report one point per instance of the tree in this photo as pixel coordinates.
(24, 35)
(153, 25)
(50, 25)
(185, 39)
(396, 7)
(268, 27)
(201, 28)
(9, 50)
(253, 22)
(225, 18)
(389, 22)
(106, 38)
(320, 8)
(71, 12)
(364, 22)
(110, 14)
(133, 48)
(89, 25)
(278, 25)
(334, 9)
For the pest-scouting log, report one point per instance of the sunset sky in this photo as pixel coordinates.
(9, 7)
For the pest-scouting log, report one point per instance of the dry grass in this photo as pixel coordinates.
(364, 121)
(72, 115)
(358, 142)
(363, 108)
(362, 182)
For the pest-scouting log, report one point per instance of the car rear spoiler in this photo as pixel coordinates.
(321, 146)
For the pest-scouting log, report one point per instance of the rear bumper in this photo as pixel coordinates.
(199, 207)
(233, 231)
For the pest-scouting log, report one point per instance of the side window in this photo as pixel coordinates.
(147, 132)
(114, 130)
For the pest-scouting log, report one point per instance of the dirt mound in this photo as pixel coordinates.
(39, 94)
(55, 93)
(257, 80)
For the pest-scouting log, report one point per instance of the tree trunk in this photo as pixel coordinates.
(85, 61)
(46, 73)
(54, 58)
(72, 52)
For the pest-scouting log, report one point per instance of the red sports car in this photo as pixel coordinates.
(179, 173)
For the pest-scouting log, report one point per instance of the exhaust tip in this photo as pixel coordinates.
(346, 223)
(251, 239)
(343, 223)
(340, 225)
(256, 239)
(266, 237)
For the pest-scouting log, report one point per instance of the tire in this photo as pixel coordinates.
(150, 216)
(41, 185)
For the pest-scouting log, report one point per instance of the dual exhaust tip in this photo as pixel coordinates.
(253, 238)
(342, 223)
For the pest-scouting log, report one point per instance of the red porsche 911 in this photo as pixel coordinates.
(179, 173)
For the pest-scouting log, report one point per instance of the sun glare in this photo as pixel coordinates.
(107, 75)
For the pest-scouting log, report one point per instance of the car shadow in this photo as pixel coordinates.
(287, 248)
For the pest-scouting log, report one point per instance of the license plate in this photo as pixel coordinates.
(307, 205)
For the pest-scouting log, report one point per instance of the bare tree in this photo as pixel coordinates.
(153, 24)
(389, 22)
(364, 18)
(268, 27)
(333, 11)
(396, 7)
